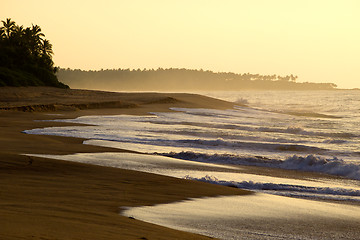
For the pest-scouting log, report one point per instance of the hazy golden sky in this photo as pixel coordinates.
(318, 40)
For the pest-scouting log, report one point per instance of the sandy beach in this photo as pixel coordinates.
(44, 198)
(52, 199)
(179, 120)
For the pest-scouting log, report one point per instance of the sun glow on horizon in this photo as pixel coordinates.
(316, 40)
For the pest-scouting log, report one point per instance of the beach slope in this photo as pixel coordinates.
(52, 199)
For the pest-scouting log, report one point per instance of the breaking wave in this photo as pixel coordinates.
(249, 145)
(287, 189)
(332, 166)
(250, 127)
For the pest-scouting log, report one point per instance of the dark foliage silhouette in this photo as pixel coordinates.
(174, 79)
(26, 57)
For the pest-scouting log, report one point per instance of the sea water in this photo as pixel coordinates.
(316, 131)
(312, 131)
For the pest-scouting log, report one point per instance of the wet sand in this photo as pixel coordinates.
(251, 216)
(53, 199)
(257, 216)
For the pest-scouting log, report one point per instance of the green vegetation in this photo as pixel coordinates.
(26, 57)
(175, 79)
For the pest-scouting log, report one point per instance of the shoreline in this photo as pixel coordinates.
(44, 198)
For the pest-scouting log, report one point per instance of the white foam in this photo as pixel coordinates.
(230, 131)
(220, 174)
(332, 166)
(287, 189)
(311, 163)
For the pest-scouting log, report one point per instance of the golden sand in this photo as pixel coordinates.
(52, 199)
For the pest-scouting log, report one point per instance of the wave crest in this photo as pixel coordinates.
(332, 166)
(250, 185)
(286, 189)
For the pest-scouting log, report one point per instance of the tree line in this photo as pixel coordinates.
(26, 57)
(180, 79)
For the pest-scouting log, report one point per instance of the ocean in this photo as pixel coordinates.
(317, 131)
(307, 131)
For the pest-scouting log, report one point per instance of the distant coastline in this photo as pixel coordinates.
(176, 79)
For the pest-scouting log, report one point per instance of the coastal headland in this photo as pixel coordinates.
(52, 199)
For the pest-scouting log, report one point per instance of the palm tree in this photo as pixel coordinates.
(293, 78)
(2, 33)
(46, 48)
(8, 27)
(36, 32)
(18, 34)
(36, 37)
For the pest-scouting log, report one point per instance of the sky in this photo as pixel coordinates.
(317, 40)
